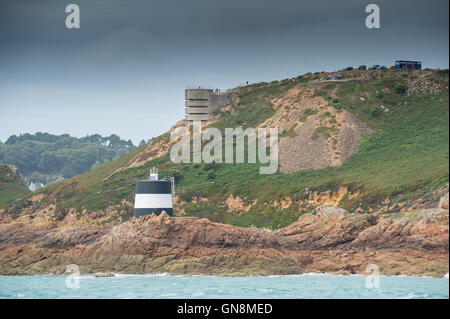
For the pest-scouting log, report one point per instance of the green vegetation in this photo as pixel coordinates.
(407, 155)
(303, 118)
(325, 89)
(290, 132)
(43, 158)
(324, 131)
(309, 112)
(254, 105)
(11, 187)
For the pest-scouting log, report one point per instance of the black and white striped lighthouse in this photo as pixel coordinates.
(153, 196)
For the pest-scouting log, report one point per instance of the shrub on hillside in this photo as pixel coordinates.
(401, 89)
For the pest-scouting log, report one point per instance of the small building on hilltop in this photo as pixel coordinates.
(200, 103)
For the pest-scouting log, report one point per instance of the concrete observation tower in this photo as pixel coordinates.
(201, 102)
(153, 196)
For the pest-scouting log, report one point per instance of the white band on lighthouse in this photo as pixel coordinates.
(153, 201)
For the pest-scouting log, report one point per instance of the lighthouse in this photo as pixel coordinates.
(153, 196)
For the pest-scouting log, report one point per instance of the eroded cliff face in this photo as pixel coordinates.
(328, 240)
(313, 133)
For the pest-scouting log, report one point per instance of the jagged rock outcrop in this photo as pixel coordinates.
(326, 210)
(336, 242)
(443, 203)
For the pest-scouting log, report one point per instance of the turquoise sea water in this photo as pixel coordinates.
(167, 286)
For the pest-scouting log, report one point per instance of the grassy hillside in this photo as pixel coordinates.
(406, 156)
(11, 187)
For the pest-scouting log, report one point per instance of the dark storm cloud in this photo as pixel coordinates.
(186, 20)
(140, 27)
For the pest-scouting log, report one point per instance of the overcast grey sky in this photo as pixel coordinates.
(125, 70)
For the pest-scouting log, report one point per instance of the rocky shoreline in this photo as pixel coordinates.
(330, 240)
